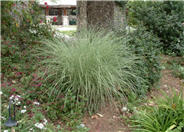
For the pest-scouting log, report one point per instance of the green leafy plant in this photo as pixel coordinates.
(95, 65)
(164, 18)
(166, 114)
(147, 46)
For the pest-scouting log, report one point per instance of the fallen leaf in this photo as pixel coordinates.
(100, 115)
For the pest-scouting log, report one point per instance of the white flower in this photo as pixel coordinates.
(19, 121)
(18, 103)
(16, 99)
(36, 103)
(30, 129)
(5, 131)
(24, 107)
(23, 111)
(11, 97)
(39, 125)
(1, 92)
(45, 122)
(2, 117)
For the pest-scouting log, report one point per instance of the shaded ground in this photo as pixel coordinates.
(112, 121)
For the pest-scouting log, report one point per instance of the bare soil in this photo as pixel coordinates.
(112, 121)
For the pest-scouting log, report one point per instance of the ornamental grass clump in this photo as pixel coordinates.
(92, 65)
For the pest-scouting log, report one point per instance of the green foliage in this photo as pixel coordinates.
(178, 71)
(164, 18)
(66, 109)
(177, 67)
(22, 22)
(147, 46)
(95, 66)
(167, 114)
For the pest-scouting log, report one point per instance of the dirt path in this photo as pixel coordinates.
(111, 121)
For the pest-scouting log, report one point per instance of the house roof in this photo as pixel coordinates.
(58, 3)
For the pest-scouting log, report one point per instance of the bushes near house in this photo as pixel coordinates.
(164, 19)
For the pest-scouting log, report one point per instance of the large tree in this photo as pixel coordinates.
(101, 14)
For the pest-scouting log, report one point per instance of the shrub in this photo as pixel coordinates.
(21, 22)
(164, 18)
(95, 65)
(147, 46)
(167, 114)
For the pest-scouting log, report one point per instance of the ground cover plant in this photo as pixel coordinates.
(167, 114)
(21, 29)
(164, 19)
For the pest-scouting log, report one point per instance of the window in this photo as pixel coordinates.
(53, 12)
(73, 12)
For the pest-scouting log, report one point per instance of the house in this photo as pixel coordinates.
(59, 12)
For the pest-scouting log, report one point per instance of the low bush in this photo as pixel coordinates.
(166, 115)
(164, 18)
(147, 46)
(95, 65)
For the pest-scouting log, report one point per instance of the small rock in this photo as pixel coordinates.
(124, 109)
(82, 125)
(115, 117)
(165, 86)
